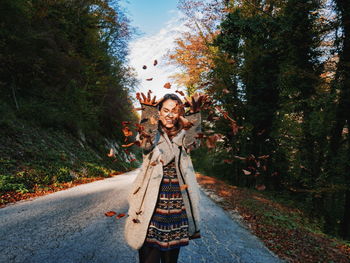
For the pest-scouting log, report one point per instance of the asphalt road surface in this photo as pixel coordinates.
(69, 226)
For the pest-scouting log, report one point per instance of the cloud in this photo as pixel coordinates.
(144, 50)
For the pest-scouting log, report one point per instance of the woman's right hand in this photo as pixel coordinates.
(147, 100)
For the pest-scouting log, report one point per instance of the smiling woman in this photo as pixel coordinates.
(163, 210)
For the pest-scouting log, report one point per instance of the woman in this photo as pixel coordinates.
(163, 210)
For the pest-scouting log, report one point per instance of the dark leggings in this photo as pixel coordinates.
(154, 255)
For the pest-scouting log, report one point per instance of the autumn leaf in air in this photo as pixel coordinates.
(246, 172)
(228, 161)
(128, 145)
(120, 216)
(144, 67)
(260, 187)
(183, 187)
(110, 213)
(150, 79)
(124, 123)
(155, 62)
(127, 132)
(154, 163)
(180, 92)
(111, 153)
(167, 85)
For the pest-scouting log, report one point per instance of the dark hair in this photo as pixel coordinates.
(178, 125)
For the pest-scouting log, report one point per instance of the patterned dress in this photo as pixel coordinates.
(168, 226)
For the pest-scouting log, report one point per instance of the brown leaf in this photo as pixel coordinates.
(226, 91)
(128, 145)
(135, 220)
(241, 158)
(150, 79)
(180, 92)
(264, 156)
(211, 141)
(142, 108)
(228, 161)
(155, 62)
(111, 153)
(127, 132)
(110, 213)
(154, 163)
(120, 216)
(246, 172)
(200, 135)
(133, 160)
(144, 67)
(260, 187)
(183, 187)
(167, 85)
(124, 123)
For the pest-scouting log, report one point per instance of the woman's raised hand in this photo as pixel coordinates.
(147, 100)
(196, 102)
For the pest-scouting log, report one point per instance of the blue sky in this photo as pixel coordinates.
(160, 24)
(150, 15)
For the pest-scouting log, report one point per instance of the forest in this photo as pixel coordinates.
(279, 71)
(64, 91)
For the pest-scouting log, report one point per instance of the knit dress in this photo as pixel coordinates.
(168, 227)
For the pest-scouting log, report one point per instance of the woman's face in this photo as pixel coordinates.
(169, 113)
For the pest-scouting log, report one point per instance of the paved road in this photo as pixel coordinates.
(69, 226)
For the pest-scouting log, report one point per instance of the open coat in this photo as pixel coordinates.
(143, 196)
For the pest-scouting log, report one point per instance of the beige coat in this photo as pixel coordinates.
(144, 192)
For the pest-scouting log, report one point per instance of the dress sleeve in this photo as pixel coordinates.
(149, 120)
(190, 140)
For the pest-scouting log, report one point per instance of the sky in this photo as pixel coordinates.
(159, 24)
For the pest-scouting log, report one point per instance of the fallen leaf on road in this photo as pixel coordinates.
(119, 216)
(110, 213)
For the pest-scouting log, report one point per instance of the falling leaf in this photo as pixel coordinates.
(142, 108)
(144, 67)
(200, 135)
(110, 213)
(124, 123)
(135, 220)
(154, 163)
(180, 92)
(183, 187)
(264, 156)
(167, 85)
(155, 62)
(133, 160)
(226, 91)
(127, 132)
(260, 187)
(150, 79)
(246, 172)
(228, 161)
(162, 162)
(211, 141)
(241, 158)
(128, 145)
(111, 153)
(120, 216)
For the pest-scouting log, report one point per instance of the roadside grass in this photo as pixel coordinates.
(285, 229)
(36, 161)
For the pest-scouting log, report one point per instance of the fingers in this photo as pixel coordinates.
(149, 96)
(153, 100)
(144, 97)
